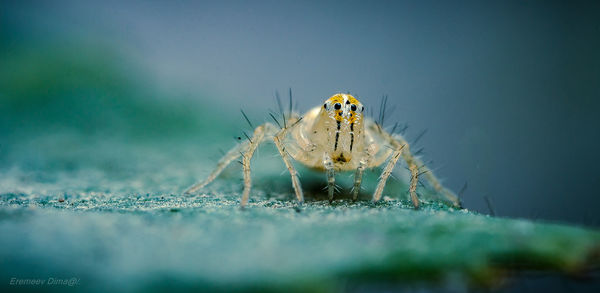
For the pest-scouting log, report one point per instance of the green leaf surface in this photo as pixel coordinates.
(140, 241)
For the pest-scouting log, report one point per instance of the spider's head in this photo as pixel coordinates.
(344, 108)
(342, 117)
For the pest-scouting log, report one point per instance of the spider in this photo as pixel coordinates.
(333, 137)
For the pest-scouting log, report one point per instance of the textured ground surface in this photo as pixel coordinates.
(126, 225)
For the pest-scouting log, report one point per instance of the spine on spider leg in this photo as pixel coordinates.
(280, 106)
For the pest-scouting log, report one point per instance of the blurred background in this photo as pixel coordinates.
(508, 91)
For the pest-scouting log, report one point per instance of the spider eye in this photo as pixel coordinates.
(353, 107)
(362, 109)
(337, 106)
(325, 106)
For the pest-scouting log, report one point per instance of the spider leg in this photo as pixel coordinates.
(416, 168)
(328, 163)
(414, 176)
(386, 173)
(278, 139)
(364, 162)
(229, 157)
(257, 138)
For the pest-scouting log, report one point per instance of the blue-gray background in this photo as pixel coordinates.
(508, 90)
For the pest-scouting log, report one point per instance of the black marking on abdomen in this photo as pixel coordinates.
(341, 159)
(337, 135)
(351, 135)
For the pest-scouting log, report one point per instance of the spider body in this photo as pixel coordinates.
(333, 137)
(334, 131)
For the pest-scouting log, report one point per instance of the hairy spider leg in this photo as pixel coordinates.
(260, 133)
(229, 157)
(387, 171)
(364, 163)
(278, 139)
(416, 168)
(328, 164)
(257, 138)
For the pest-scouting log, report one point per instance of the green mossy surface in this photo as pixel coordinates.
(140, 241)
